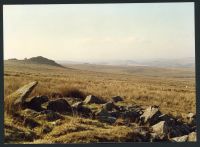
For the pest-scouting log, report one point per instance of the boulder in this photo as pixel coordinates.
(31, 123)
(109, 106)
(79, 109)
(192, 137)
(174, 132)
(115, 114)
(150, 115)
(107, 119)
(59, 105)
(131, 115)
(77, 105)
(35, 102)
(102, 112)
(91, 99)
(180, 139)
(15, 101)
(51, 115)
(160, 129)
(191, 117)
(46, 129)
(117, 99)
(168, 119)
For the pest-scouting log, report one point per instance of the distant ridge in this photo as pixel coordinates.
(38, 60)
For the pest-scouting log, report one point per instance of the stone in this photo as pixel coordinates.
(192, 137)
(46, 129)
(31, 123)
(115, 114)
(184, 128)
(161, 129)
(168, 119)
(109, 106)
(180, 139)
(35, 102)
(15, 101)
(81, 110)
(91, 99)
(174, 132)
(150, 115)
(106, 119)
(117, 99)
(191, 117)
(59, 105)
(131, 115)
(51, 115)
(102, 112)
(77, 105)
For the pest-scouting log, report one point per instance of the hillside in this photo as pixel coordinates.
(36, 60)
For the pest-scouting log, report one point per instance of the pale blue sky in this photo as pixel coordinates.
(81, 32)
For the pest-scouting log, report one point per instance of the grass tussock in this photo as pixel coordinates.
(72, 92)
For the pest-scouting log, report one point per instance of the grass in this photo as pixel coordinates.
(175, 94)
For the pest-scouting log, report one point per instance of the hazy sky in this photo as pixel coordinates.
(99, 31)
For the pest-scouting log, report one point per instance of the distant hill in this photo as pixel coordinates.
(37, 60)
(181, 62)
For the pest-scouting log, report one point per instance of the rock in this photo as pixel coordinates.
(161, 129)
(15, 101)
(131, 115)
(168, 119)
(191, 117)
(174, 132)
(122, 108)
(150, 115)
(79, 109)
(115, 114)
(184, 128)
(35, 102)
(59, 105)
(109, 106)
(106, 119)
(102, 112)
(51, 115)
(192, 137)
(46, 129)
(93, 99)
(117, 99)
(180, 139)
(77, 105)
(31, 123)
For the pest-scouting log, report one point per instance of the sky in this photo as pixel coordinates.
(99, 32)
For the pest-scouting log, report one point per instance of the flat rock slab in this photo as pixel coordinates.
(150, 115)
(19, 96)
(91, 99)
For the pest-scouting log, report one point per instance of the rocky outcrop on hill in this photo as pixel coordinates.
(36, 60)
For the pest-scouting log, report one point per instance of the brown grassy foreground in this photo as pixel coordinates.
(174, 93)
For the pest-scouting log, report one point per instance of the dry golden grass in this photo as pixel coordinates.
(173, 95)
